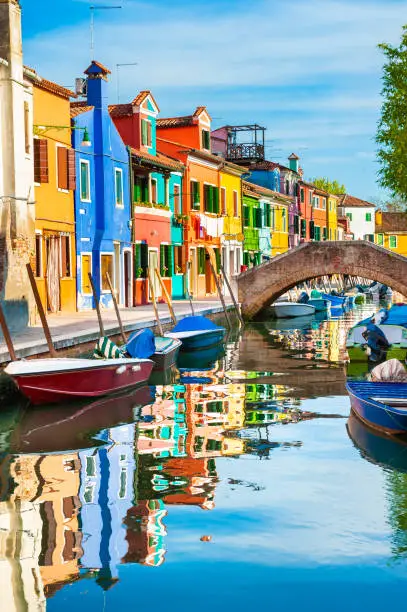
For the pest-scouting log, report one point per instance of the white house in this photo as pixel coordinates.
(361, 215)
(17, 212)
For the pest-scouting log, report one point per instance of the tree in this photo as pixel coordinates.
(390, 204)
(391, 134)
(327, 185)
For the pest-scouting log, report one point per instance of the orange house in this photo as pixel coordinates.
(188, 139)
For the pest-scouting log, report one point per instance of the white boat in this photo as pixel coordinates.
(286, 310)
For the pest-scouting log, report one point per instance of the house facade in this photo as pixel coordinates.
(231, 208)
(102, 200)
(391, 231)
(319, 225)
(306, 210)
(332, 217)
(361, 215)
(157, 206)
(54, 187)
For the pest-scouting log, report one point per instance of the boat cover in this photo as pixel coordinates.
(106, 349)
(194, 323)
(397, 315)
(304, 298)
(389, 371)
(315, 294)
(141, 344)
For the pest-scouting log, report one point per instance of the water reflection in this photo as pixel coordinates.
(88, 490)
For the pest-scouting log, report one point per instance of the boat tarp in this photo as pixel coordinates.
(389, 371)
(194, 323)
(396, 315)
(141, 344)
(315, 294)
(106, 349)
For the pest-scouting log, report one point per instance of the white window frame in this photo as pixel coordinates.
(382, 242)
(204, 129)
(91, 267)
(148, 146)
(153, 179)
(116, 172)
(104, 291)
(86, 162)
(192, 180)
(396, 245)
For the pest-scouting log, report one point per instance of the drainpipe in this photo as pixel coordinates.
(131, 220)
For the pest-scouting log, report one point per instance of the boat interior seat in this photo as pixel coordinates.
(396, 402)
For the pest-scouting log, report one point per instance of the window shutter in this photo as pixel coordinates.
(246, 216)
(149, 134)
(144, 258)
(137, 263)
(207, 202)
(62, 157)
(312, 230)
(144, 132)
(325, 233)
(201, 260)
(71, 169)
(215, 192)
(162, 259)
(217, 255)
(41, 161)
(170, 260)
(137, 189)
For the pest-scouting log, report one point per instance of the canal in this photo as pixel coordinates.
(237, 482)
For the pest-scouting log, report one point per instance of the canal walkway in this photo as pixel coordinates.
(80, 328)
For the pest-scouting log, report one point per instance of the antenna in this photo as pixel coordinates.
(118, 77)
(94, 8)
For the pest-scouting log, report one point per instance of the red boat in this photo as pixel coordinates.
(54, 380)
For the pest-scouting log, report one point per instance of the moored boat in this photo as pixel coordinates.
(286, 310)
(320, 304)
(336, 300)
(381, 405)
(196, 332)
(144, 345)
(61, 379)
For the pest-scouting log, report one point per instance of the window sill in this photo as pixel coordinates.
(86, 201)
(63, 190)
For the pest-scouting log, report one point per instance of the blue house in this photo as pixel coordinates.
(102, 197)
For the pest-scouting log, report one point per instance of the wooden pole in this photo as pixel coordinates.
(41, 311)
(218, 287)
(236, 305)
(188, 291)
(97, 305)
(6, 334)
(166, 296)
(119, 319)
(157, 318)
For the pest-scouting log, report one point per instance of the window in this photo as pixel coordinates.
(86, 267)
(223, 200)
(349, 215)
(206, 140)
(284, 220)
(41, 174)
(166, 259)
(235, 204)
(178, 260)
(118, 182)
(369, 237)
(38, 255)
(65, 257)
(296, 224)
(303, 228)
(146, 133)
(302, 196)
(85, 180)
(324, 203)
(90, 466)
(201, 260)
(154, 191)
(211, 199)
(325, 233)
(368, 216)
(246, 216)
(140, 260)
(380, 239)
(195, 195)
(267, 215)
(106, 267)
(317, 232)
(312, 230)
(140, 189)
(66, 176)
(393, 242)
(310, 197)
(177, 200)
(27, 131)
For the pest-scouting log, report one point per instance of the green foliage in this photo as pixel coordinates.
(391, 134)
(333, 187)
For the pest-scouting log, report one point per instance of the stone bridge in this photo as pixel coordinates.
(262, 285)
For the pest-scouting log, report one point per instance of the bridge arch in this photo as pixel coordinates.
(262, 285)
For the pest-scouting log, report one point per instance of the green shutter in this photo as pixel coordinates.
(162, 259)
(144, 132)
(137, 190)
(144, 259)
(215, 191)
(325, 233)
(217, 255)
(137, 262)
(246, 216)
(312, 230)
(201, 260)
(170, 260)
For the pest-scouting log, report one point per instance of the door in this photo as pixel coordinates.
(193, 272)
(152, 265)
(53, 274)
(127, 279)
(232, 263)
(117, 275)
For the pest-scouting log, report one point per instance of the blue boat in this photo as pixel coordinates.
(197, 332)
(336, 300)
(380, 405)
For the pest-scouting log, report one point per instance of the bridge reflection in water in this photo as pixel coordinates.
(87, 490)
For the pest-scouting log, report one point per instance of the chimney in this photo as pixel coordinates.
(294, 162)
(97, 85)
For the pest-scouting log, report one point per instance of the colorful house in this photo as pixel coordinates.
(188, 140)
(102, 202)
(361, 215)
(306, 210)
(251, 225)
(157, 214)
(54, 186)
(391, 231)
(332, 220)
(231, 209)
(319, 228)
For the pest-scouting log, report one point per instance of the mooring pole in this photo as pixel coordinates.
(97, 305)
(116, 307)
(218, 287)
(41, 311)
(236, 305)
(7, 336)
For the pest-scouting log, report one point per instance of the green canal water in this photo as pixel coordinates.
(237, 482)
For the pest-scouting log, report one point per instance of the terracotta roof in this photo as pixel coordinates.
(293, 156)
(50, 86)
(257, 190)
(181, 121)
(234, 167)
(77, 108)
(103, 68)
(392, 222)
(269, 165)
(164, 161)
(139, 99)
(349, 201)
(121, 110)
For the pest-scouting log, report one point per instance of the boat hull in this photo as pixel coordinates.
(382, 418)
(57, 386)
(288, 310)
(166, 358)
(320, 304)
(201, 340)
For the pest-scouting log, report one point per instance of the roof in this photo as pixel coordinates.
(349, 201)
(257, 190)
(121, 110)
(270, 165)
(164, 161)
(50, 86)
(139, 99)
(77, 108)
(293, 156)
(102, 69)
(170, 122)
(392, 222)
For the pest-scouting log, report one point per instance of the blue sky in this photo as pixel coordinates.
(308, 70)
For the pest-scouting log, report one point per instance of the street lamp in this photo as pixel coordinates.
(40, 130)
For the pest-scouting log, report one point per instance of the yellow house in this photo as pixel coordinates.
(54, 184)
(391, 231)
(332, 217)
(279, 228)
(231, 210)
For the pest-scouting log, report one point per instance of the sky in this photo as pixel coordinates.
(307, 70)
